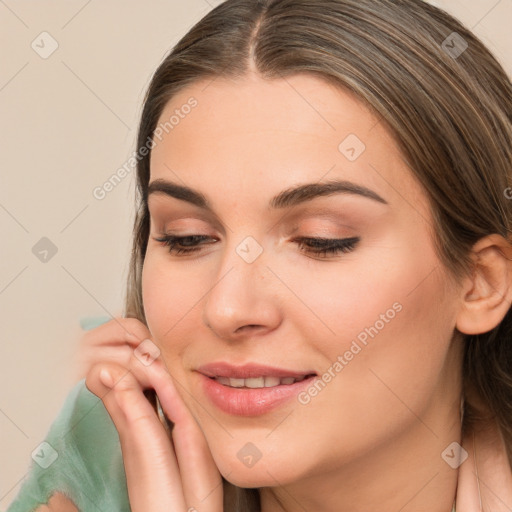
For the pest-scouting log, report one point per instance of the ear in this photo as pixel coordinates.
(487, 293)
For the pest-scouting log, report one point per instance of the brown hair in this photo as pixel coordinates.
(450, 112)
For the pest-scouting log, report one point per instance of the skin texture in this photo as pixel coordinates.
(58, 503)
(373, 437)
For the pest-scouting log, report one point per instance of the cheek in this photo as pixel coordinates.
(154, 293)
(333, 304)
(392, 325)
(169, 297)
(393, 291)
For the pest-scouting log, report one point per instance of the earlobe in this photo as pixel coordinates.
(487, 293)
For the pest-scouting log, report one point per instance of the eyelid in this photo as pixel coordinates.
(165, 213)
(164, 222)
(321, 227)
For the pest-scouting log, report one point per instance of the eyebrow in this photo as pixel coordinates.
(285, 199)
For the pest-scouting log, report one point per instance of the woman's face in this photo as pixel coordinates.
(374, 321)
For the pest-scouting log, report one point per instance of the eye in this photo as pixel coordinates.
(327, 246)
(183, 244)
(322, 247)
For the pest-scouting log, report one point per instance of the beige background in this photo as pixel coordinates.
(68, 123)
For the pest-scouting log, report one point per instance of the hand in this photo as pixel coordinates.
(113, 341)
(162, 474)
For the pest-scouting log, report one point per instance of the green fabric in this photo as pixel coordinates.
(88, 465)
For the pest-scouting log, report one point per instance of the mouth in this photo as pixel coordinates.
(260, 382)
(251, 389)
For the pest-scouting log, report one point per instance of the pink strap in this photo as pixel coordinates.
(487, 485)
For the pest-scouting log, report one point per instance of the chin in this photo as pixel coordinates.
(247, 480)
(264, 473)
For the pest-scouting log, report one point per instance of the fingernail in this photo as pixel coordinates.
(106, 378)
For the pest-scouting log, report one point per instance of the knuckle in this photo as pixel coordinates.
(125, 383)
(130, 401)
(93, 375)
(135, 326)
(159, 367)
(125, 397)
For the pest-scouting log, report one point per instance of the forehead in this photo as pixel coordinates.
(301, 103)
(253, 134)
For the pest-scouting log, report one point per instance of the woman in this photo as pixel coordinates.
(320, 284)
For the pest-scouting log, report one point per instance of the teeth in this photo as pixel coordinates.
(237, 383)
(258, 382)
(255, 382)
(272, 381)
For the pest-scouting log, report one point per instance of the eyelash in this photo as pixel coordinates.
(322, 247)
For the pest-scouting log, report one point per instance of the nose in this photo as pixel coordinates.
(243, 299)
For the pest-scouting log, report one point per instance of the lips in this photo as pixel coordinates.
(251, 389)
(249, 371)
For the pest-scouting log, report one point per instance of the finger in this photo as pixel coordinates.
(93, 355)
(117, 331)
(102, 343)
(201, 479)
(152, 472)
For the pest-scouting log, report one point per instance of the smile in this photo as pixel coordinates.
(253, 388)
(258, 382)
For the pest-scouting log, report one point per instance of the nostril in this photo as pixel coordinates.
(251, 326)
